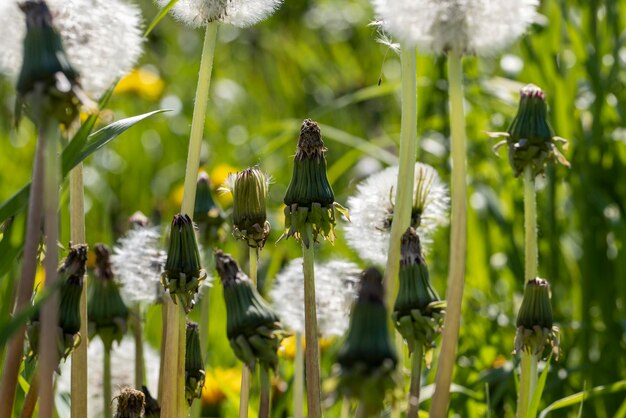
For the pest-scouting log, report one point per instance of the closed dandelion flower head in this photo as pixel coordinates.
(371, 211)
(241, 13)
(481, 27)
(138, 262)
(101, 38)
(335, 287)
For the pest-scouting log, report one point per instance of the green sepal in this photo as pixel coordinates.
(194, 366)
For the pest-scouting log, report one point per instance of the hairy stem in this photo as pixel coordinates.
(298, 385)
(456, 275)
(266, 387)
(527, 383)
(416, 376)
(530, 226)
(13, 357)
(106, 383)
(79, 354)
(312, 355)
(48, 358)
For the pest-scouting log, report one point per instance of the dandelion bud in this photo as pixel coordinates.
(183, 274)
(152, 408)
(206, 211)
(194, 366)
(249, 188)
(130, 403)
(535, 330)
(71, 273)
(108, 315)
(309, 198)
(252, 327)
(367, 358)
(418, 311)
(46, 68)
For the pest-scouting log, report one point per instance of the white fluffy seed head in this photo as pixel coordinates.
(335, 290)
(138, 262)
(371, 211)
(122, 372)
(481, 27)
(241, 13)
(102, 39)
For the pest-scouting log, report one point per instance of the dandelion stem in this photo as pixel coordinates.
(456, 275)
(31, 397)
(183, 406)
(169, 393)
(106, 382)
(48, 358)
(244, 397)
(266, 386)
(404, 190)
(15, 347)
(79, 354)
(254, 257)
(197, 122)
(416, 375)
(312, 356)
(135, 317)
(345, 407)
(298, 386)
(528, 364)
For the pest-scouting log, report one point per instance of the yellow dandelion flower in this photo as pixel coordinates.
(143, 82)
(218, 382)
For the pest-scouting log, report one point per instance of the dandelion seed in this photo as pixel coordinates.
(371, 210)
(102, 39)
(480, 27)
(241, 13)
(335, 289)
(122, 372)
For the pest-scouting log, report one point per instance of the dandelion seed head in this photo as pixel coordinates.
(122, 372)
(335, 290)
(102, 39)
(371, 211)
(481, 27)
(241, 13)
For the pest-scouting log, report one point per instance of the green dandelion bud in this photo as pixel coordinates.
(249, 188)
(418, 311)
(194, 366)
(183, 274)
(130, 403)
(535, 329)
(152, 408)
(206, 211)
(71, 274)
(252, 327)
(309, 198)
(530, 138)
(46, 68)
(367, 359)
(107, 313)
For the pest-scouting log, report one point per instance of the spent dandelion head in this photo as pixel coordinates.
(240, 13)
(102, 39)
(530, 138)
(335, 290)
(252, 327)
(249, 189)
(372, 207)
(130, 403)
(138, 261)
(481, 27)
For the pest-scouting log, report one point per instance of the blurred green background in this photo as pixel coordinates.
(320, 59)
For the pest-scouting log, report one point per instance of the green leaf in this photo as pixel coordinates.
(541, 384)
(158, 17)
(586, 394)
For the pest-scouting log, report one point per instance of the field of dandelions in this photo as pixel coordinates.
(324, 60)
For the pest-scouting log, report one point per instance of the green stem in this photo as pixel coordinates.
(183, 406)
(30, 403)
(527, 383)
(138, 337)
(530, 225)
(254, 257)
(416, 375)
(48, 358)
(406, 177)
(361, 412)
(79, 354)
(298, 386)
(15, 347)
(106, 383)
(197, 122)
(312, 356)
(169, 390)
(265, 405)
(244, 396)
(456, 275)
(345, 408)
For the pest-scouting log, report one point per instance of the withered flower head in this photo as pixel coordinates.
(130, 403)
